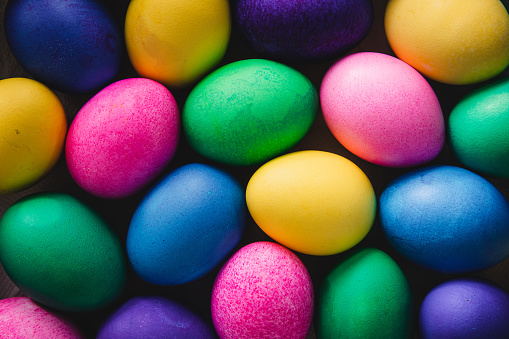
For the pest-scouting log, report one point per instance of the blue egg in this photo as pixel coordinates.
(447, 219)
(186, 225)
(73, 46)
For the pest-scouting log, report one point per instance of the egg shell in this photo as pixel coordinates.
(154, 317)
(22, 318)
(123, 138)
(306, 31)
(447, 219)
(366, 296)
(465, 308)
(33, 126)
(61, 253)
(263, 291)
(382, 110)
(186, 225)
(249, 111)
(478, 128)
(313, 202)
(73, 46)
(176, 42)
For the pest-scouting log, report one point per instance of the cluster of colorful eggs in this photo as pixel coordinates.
(66, 259)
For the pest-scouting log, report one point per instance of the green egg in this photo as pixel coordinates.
(249, 111)
(479, 129)
(366, 296)
(61, 253)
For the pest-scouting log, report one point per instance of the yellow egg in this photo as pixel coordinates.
(174, 41)
(313, 202)
(455, 41)
(32, 132)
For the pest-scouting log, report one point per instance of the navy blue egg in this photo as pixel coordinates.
(186, 225)
(73, 46)
(447, 219)
(303, 31)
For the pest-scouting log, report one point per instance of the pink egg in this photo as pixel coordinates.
(263, 291)
(22, 318)
(123, 138)
(382, 110)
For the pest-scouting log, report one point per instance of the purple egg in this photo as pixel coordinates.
(465, 308)
(303, 31)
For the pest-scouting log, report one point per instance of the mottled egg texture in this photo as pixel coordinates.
(73, 46)
(306, 31)
(366, 296)
(22, 318)
(263, 291)
(447, 219)
(123, 138)
(61, 253)
(465, 308)
(186, 225)
(382, 110)
(154, 317)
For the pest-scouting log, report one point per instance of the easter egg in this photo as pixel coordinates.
(186, 225)
(32, 129)
(263, 291)
(308, 31)
(447, 219)
(123, 138)
(154, 317)
(61, 253)
(382, 110)
(73, 46)
(456, 42)
(313, 202)
(465, 308)
(249, 111)
(478, 129)
(365, 296)
(175, 42)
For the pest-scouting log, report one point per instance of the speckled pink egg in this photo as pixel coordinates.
(382, 110)
(123, 138)
(22, 318)
(263, 291)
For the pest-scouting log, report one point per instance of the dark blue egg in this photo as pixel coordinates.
(73, 46)
(303, 31)
(186, 225)
(447, 219)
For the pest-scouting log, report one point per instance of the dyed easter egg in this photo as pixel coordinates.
(478, 129)
(456, 42)
(32, 129)
(175, 42)
(309, 31)
(465, 308)
(263, 291)
(186, 225)
(313, 202)
(123, 138)
(72, 46)
(447, 219)
(382, 110)
(61, 253)
(365, 296)
(154, 317)
(249, 111)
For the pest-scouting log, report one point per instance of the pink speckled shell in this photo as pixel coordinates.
(22, 318)
(382, 110)
(123, 137)
(263, 291)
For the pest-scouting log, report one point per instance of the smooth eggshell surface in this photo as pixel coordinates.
(263, 291)
(382, 110)
(123, 138)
